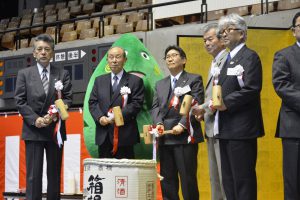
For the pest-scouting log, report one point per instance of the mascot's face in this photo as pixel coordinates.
(139, 62)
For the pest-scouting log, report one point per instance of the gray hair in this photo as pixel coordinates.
(235, 20)
(124, 52)
(211, 26)
(45, 38)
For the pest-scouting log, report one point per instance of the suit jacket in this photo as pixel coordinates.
(243, 117)
(286, 81)
(170, 117)
(102, 99)
(209, 117)
(32, 101)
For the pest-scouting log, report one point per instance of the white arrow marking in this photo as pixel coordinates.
(82, 53)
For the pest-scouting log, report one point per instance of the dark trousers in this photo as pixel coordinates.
(34, 169)
(182, 160)
(105, 150)
(291, 168)
(238, 161)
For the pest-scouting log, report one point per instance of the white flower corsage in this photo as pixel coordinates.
(58, 85)
(124, 92)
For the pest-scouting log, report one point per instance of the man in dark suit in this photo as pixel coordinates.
(113, 141)
(286, 81)
(178, 152)
(35, 93)
(215, 47)
(239, 118)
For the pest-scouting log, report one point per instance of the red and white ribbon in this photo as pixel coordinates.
(155, 134)
(178, 91)
(53, 112)
(189, 124)
(124, 92)
(110, 116)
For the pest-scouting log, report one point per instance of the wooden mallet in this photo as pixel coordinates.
(119, 121)
(217, 96)
(62, 109)
(186, 105)
(148, 137)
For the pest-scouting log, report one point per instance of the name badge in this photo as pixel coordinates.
(231, 72)
(186, 89)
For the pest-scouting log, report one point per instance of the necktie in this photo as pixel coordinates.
(228, 58)
(45, 80)
(115, 84)
(174, 83)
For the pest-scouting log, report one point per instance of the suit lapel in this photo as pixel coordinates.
(220, 63)
(123, 82)
(166, 89)
(296, 48)
(54, 76)
(183, 79)
(232, 63)
(36, 79)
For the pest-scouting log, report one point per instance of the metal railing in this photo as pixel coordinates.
(101, 16)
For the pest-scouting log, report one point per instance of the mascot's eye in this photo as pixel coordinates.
(145, 55)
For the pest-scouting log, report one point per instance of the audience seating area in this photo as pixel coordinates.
(80, 29)
(254, 9)
(76, 29)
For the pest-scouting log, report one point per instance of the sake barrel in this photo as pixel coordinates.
(119, 178)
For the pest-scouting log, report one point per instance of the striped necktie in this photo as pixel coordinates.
(45, 80)
(174, 83)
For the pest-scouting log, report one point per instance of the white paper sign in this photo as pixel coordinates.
(61, 56)
(73, 55)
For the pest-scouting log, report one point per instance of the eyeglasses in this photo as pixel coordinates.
(173, 55)
(297, 26)
(229, 30)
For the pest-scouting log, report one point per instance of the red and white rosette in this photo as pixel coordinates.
(125, 91)
(53, 112)
(189, 124)
(239, 71)
(58, 86)
(178, 92)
